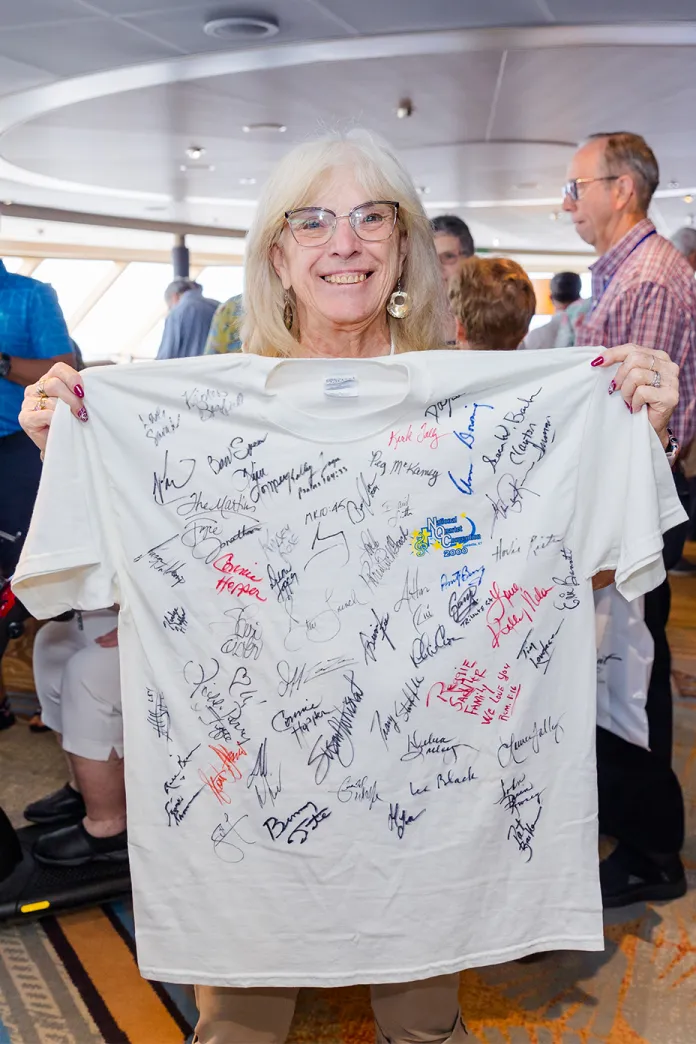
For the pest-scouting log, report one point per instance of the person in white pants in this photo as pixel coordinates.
(76, 672)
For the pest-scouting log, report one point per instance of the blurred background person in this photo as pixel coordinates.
(565, 290)
(187, 326)
(225, 328)
(77, 676)
(685, 242)
(493, 301)
(33, 335)
(453, 243)
(643, 292)
(684, 239)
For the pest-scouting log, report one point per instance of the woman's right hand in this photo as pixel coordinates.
(60, 382)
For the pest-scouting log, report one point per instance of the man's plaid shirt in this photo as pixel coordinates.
(644, 292)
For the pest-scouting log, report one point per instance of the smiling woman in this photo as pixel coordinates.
(339, 229)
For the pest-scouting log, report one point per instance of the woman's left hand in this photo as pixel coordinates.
(636, 381)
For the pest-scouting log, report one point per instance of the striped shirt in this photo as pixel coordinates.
(644, 292)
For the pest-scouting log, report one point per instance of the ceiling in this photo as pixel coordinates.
(99, 100)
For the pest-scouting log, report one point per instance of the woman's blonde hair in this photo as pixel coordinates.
(294, 183)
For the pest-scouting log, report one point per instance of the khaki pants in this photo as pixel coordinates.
(425, 1012)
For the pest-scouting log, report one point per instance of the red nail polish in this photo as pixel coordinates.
(79, 391)
(598, 361)
(83, 415)
(612, 387)
(628, 406)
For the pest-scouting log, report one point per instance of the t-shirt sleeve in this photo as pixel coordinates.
(626, 498)
(64, 562)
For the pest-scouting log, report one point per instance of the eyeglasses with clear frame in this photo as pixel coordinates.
(570, 188)
(373, 222)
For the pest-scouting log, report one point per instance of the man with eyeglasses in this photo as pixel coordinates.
(643, 292)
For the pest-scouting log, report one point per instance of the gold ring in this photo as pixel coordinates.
(41, 403)
(40, 390)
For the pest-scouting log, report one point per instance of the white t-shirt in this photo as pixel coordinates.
(357, 647)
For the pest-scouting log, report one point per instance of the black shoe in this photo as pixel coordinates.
(628, 876)
(63, 806)
(683, 568)
(73, 846)
(7, 717)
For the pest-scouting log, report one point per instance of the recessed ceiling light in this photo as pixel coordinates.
(404, 109)
(496, 242)
(254, 128)
(254, 27)
(423, 190)
(554, 215)
(247, 181)
(195, 151)
(688, 199)
(672, 184)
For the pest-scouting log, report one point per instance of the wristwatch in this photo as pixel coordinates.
(5, 364)
(672, 447)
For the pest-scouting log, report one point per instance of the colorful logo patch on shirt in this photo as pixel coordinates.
(448, 535)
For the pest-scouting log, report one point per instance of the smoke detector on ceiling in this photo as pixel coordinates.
(252, 27)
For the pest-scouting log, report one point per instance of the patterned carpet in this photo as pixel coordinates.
(73, 979)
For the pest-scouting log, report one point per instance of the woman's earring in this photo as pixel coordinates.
(399, 303)
(288, 315)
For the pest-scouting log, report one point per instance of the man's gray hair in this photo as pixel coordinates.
(180, 286)
(684, 239)
(627, 153)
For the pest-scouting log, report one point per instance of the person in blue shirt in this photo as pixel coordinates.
(32, 332)
(187, 325)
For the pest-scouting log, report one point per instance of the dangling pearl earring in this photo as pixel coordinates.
(399, 303)
(288, 315)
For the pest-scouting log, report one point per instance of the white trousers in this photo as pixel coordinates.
(79, 686)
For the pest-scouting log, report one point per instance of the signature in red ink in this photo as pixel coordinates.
(226, 564)
(228, 771)
(511, 607)
(238, 579)
(469, 692)
(239, 588)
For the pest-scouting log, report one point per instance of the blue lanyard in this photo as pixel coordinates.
(595, 304)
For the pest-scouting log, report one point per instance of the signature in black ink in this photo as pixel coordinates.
(403, 708)
(540, 653)
(161, 484)
(376, 635)
(510, 494)
(567, 595)
(156, 562)
(425, 647)
(301, 829)
(158, 716)
(439, 746)
(516, 749)
(246, 640)
(224, 838)
(515, 795)
(399, 819)
(261, 779)
(358, 790)
(176, 620)
(339, 747)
